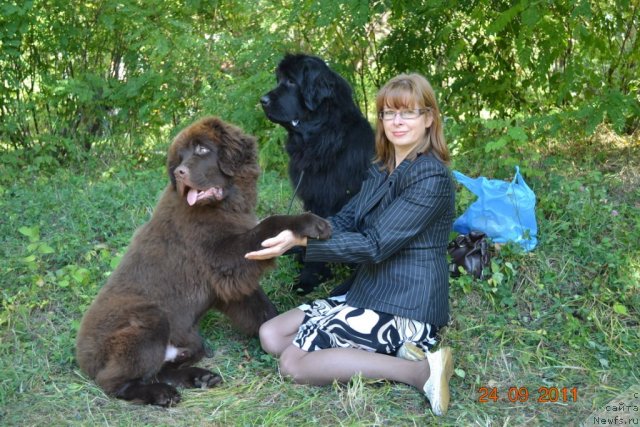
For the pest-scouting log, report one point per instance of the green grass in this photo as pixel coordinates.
(564, 315)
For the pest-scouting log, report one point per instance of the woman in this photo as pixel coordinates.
(396, 230)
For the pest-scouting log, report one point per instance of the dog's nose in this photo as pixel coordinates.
(181, 171)
(265, 100)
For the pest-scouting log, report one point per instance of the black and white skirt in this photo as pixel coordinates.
(330, 323)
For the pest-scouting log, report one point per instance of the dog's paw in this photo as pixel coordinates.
(192, 377)
(207, 380)
(200, 378)
(165, 395)
(160, 394)
(314, 226)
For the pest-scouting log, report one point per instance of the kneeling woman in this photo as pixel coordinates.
(396, 230)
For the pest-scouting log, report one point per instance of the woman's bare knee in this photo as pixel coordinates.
(278, 333)
(269, 338)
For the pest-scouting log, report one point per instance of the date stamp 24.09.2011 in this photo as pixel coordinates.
(540, 395)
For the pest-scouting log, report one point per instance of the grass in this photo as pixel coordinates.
(563, 316)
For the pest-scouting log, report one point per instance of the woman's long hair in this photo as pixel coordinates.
(408, 91)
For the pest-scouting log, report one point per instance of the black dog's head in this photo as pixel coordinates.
(210, 160)
(306, 87)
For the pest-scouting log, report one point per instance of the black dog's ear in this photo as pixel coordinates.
(317, 84)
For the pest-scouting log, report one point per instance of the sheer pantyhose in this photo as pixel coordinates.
(322, 367)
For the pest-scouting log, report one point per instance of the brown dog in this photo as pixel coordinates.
(140, 335)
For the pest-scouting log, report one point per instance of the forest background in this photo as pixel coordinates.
(91, 93)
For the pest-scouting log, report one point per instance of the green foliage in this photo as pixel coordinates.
(565, 66)
(95, 78)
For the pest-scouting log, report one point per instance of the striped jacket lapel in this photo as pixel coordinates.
(377, 189)
(372, 190)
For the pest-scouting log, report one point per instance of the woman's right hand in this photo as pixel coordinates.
(276, 246)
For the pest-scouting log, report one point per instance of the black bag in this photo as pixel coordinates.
(471, 252)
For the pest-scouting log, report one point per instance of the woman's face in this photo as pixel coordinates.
(405, 134)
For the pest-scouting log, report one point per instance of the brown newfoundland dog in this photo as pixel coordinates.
(140, 336)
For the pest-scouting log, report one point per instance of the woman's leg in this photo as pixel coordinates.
(278, 333)
(322, 367)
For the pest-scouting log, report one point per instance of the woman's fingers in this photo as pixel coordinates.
(274, 246)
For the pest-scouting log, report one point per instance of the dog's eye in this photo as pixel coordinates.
(289, 82)
(201, 150)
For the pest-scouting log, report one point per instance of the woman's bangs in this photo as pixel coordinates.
(398, 98)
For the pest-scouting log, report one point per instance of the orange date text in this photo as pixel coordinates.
(522, 394)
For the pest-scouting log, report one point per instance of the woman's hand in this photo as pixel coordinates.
(277, 245)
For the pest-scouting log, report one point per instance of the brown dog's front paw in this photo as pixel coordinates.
(163, 395)
(315, 227)
(160, 394)
(189, 377)
(206, 380)
(199, 378)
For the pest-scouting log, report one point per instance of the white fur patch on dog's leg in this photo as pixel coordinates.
(170, 353)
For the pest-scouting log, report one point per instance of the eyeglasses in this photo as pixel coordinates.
(387, 115)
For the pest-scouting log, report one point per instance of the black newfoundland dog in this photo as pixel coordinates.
(330, 143)
(140, 336)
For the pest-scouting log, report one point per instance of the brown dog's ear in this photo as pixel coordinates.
(235, 148)
(236, 154)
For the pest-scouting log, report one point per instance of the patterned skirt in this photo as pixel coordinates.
(330, 323)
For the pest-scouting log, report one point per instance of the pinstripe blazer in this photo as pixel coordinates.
(397, 229)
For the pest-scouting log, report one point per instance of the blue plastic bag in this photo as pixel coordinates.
(505, 211)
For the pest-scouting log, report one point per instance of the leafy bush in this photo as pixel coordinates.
(87, 75)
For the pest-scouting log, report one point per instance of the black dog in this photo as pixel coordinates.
(330, 143)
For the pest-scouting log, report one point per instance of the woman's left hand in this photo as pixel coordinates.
(277, 245)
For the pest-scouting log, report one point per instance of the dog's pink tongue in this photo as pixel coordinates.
(192, 196)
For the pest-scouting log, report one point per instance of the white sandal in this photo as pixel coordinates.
(437, 386)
